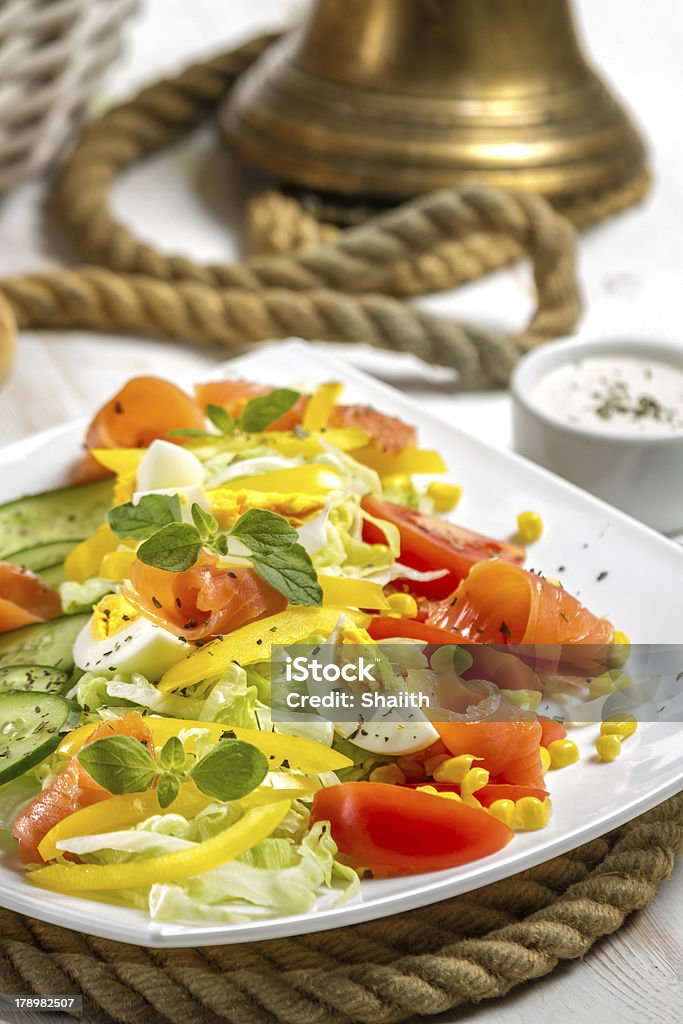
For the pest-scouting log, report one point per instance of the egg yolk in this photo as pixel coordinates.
(228, 506)
(110, 615)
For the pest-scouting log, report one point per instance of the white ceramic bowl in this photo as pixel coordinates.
(643, 475)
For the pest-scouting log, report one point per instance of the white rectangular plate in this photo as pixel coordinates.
(640, 594)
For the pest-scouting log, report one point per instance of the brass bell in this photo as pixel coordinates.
(393, 98)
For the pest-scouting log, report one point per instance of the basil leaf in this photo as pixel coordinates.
(221, 418)
(120, 764)
(292, 573)
(231, 770)
(264, 531)
(206, 524)
(135, 522)
(168, 788)
(259, 413)
(172, 754)
(174, 548)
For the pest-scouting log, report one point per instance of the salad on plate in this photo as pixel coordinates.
(143, 758)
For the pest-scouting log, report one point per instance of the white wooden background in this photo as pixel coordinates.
(190, 201)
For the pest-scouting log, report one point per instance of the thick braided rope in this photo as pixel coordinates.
(328, 286)
(463, 950)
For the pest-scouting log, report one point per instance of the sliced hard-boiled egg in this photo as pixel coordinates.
(118, 638)
(165, 465)
(189, 496)
(414, 732)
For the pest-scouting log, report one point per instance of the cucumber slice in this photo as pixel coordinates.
(45, 556)
(29, 730)
(70, 513)
(47, 643)
(53, 576)
(35, 678)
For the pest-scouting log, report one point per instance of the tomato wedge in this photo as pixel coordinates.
(509, 751)
(384, 627)
(24, 598)
(206, 600)
(145, 409)
(429, 543)
(396, 830)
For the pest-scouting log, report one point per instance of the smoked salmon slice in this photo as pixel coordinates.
(509, 751)
(206, 600)
(144, 410)
(24, 598)
(72, 789)
(499, 602)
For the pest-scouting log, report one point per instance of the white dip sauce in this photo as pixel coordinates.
(615, 395)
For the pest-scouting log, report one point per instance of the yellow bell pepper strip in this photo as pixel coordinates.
(250, 644)
(288, 443)
(344, 591)
(84, 560)
(410, 460)
(255, 825)
(301, 754)
(116, 565)
(320, 405)
(120, 812)
(128, 810)
(121, 461)
(298, 479)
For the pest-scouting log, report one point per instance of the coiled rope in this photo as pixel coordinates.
(313, 280)
(425, 962)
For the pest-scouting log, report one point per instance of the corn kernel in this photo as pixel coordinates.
(454, 769)
(396, 480)
(474, 780)
(532, 813)
(404, 605)
(621, 649)
(503, 810)
(545, 760)
(563, 753)
(444, 496)
(527, 700)
(388, 773)
(608, 747)
(413, 770)
(601, 686)
(446, 794)
(623, 729)
(432, 763)
(530, 526)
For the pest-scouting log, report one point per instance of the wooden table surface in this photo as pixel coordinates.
(190, 201)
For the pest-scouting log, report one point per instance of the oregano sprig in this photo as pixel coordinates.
(121, 764)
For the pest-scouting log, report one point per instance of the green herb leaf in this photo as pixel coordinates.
(231, 770)
(120, 764)
(259, 413)
(207, 525)
(135, 522)
(174, 548)
(221, 544)
(172, 755)
(264, 531)
(168, 787)
(221, 418)
(191, 432)
(292, 573)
